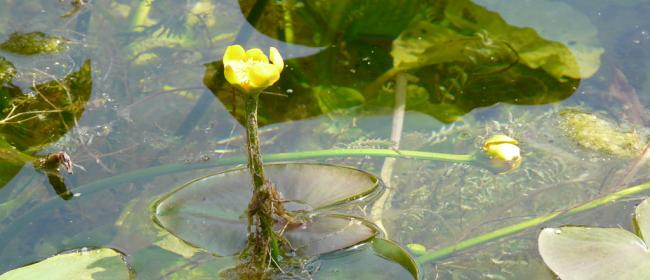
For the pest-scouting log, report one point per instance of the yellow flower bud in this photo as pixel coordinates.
(250, 71)
(417, 249)
(503, 151)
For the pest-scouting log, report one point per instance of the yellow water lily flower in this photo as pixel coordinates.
(503, 151)
(250, 71)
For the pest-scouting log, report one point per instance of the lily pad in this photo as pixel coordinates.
(377, 259)
(83, 264)
(210, 212)
(598, 253)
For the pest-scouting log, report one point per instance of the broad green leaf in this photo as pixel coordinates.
(424, 43)
(559, 22)
(594, 253)
(84, 264)
(600, 135)
(377, 259)
(473, 34)
(210, 212)
(332, 98)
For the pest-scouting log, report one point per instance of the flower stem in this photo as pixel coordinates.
(527, 224)
(255, 164)
(262, 242)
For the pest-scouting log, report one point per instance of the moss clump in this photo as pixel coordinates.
(600, 135)
(33, 43)
(7, 71)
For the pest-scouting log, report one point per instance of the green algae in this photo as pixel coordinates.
(33, 43)
(600, 135)
(7, 71)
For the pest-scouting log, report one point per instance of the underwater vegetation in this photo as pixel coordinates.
(315, 139)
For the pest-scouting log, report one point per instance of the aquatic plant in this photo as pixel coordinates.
(575, 252)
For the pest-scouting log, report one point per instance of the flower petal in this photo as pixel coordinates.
(276, 59)
(234, 53)
(262, 75)
(231, 75)
(256, 55)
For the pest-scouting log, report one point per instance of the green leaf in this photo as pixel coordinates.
(472, 34)
(390, 250)
(598, 253)
(377, 259)
(66, 99)
(91, 264)
(594, 253)
(210, 212)
(559, 22)
(333, 98)
(642, 219)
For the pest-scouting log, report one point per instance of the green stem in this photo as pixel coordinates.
(288, 22)
(261, 208)
(527, 224)
(255, 164)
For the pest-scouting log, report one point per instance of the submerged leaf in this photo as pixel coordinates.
(44, 118)
(33, 43)
(378, 259)
(210, 212)
(473, 34)
(84, 264)
(334, 98)
(559, 22)
(600, 135)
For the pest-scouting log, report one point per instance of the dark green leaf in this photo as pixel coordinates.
(378, 259)
(334, 98)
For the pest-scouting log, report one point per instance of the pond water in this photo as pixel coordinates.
(133, 92)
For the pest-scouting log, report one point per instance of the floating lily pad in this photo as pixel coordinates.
(210, 212)
(378, 259)
(598, 253)
(83, 264)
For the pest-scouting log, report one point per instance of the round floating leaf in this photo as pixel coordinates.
(379, 259)
(594, 253)
(210, 212)
(93, 264)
